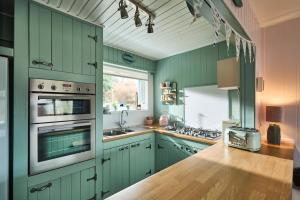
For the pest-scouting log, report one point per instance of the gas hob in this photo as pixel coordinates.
(198, 132)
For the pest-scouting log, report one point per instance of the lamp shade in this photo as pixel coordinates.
(273, 114)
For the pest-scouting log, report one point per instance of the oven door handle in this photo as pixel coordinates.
(64, 127)
(40, 97)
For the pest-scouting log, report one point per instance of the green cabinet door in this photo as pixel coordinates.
(40, 37)
(71, 186)
(76, 186)
(162, 154)
(106, 174)
(47, 191)
(61, 43)
(115, 170)
(88, 183)
(141, 160)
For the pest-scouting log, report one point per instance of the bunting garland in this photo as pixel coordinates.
(218, 19)
(197, 6)
(237, 46)
(244, 43)
(216, 23)
(228, 35)
(250, 50)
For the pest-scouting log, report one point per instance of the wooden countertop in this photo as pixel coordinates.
(218, 172)
(127, 135)
(161, 131)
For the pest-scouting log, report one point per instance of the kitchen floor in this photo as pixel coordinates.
(296, 194)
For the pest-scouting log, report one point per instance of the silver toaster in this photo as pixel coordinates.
(243, 138)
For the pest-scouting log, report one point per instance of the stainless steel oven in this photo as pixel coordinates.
(62, 124)
(52, 101)
(54, 145)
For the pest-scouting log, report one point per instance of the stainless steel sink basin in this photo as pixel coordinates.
(114, 132)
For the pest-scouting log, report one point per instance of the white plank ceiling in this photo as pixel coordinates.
(173, 31)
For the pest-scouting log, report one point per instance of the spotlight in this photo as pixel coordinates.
(150, 25)
(122, 9)
(137, 19)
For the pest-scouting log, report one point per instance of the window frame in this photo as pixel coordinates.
(147, 88)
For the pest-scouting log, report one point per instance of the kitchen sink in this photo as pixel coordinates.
(114, 132)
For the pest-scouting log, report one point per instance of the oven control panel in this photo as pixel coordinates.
(53, 86)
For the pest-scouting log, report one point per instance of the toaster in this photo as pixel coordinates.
(243, 138)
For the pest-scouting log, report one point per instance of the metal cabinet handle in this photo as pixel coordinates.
(39, 189)
(92, 178)
(127, 147)
(149, 147)
(93, 198)
(104, 193)
(40, 62)
(149, 172)
(93, 64)
(93, 37)
(121, 149)
(105, 159)
(159, 146)
(135, 145)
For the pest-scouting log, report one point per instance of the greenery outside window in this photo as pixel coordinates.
(124, 89)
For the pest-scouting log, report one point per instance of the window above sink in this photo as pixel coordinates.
(124, 89)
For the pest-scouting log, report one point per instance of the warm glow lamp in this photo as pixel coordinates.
(273, 114)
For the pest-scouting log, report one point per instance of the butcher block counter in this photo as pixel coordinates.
(157, 129)
(220, 172)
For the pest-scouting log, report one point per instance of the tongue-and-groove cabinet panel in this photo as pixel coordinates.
(141, 160)
(61, 43)
(76, 186)
(115, 170)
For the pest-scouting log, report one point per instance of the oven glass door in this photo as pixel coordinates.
(60, 144)
(48, 108)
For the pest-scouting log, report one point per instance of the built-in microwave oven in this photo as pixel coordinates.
(52, 101)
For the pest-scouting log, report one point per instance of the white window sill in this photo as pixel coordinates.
(129, 111)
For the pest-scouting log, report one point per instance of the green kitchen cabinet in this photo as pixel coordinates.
(40, 36)
(115, 170)
(170, 150)
(88, 183)
(161, 154)
(126, 162)
(46, 191)
(141, 160)
(76, 186)
(61, 43)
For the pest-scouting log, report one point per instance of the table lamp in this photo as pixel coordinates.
(273, 114)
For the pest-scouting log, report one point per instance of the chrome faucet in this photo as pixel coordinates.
(122, 121)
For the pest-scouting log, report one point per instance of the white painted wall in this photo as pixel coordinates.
(135, 117)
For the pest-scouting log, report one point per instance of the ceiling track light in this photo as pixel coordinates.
(150, 25)
(137, 19)
(142, 8)
(122, 9)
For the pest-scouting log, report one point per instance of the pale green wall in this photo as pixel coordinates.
(199, 67)
(114, 56)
